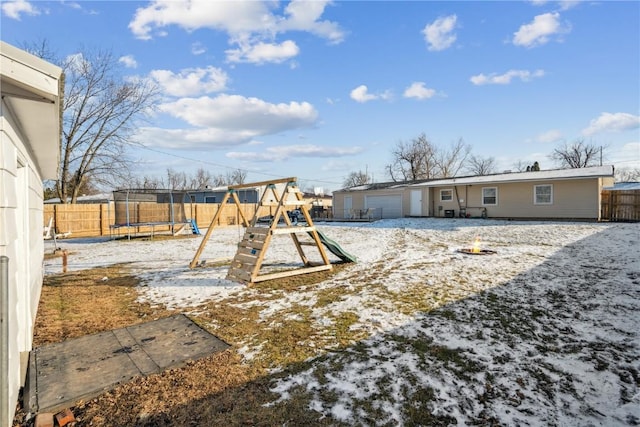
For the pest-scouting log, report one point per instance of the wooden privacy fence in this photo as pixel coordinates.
(91, 220)
(620, 205)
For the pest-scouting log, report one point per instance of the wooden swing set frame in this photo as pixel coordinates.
(245, 266)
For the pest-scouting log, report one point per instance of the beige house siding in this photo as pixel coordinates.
(359, 201)
(579, 199)
(575, 194)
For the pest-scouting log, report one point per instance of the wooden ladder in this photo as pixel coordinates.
(247, 262)
(248, 258)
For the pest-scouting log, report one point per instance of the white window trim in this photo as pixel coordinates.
(443, 190)
(535, 194)
(482, 196)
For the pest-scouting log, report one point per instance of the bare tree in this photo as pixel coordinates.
(42, 49)
(201, 180)
(481, 165)
(176, 180)
(413, 160)
(236, 177)
(100, 111)
(421, 159)
(219, 180)
(577, 154)
(627, 174)
(356, 178)
(451, 160)
(520, 166)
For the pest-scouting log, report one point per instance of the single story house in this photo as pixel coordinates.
(547, 194)
(30, 128)
(216, 194)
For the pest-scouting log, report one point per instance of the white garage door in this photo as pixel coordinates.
(385, 206)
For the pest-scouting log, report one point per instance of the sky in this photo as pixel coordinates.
(320, 89)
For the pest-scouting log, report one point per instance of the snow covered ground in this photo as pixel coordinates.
(544, 332)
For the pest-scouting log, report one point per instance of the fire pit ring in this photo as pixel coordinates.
(470, 251)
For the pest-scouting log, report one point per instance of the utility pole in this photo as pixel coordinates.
(601, 155)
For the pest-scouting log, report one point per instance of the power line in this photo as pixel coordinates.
(229, 167)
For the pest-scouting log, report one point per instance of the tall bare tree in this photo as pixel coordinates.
(627, 174)
(176, 180)
(201, 180)
(100, 112)
(481, 165)
(452, 159)
(356, 178)
(421, 159)
(413, 160)
(577, 154)
(236, 176)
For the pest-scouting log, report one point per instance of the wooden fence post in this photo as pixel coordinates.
(54, 225)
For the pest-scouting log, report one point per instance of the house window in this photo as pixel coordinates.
(543, 194)
(210, 199)
(446, 195)
(489, 196)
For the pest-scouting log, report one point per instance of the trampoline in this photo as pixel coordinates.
(142, 211)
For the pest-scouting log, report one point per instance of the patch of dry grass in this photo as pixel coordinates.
(88, 302)
(222, 389)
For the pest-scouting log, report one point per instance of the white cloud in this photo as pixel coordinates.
(129, 61)
(261, 52)
(13, 9)
(361, 94)
(190, 138)
(503, 79)
(285, 152)
(252, 25)
(191, 81)
(564, 4)
(305, 15)
(612, 122)
(439, 34)
(539, 31)
(419, 90)
(239, 112)
(227, 120)
(552, 135)
(72, 4)
(198, 48)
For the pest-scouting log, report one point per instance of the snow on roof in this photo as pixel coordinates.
(624, 186)
(382, 186)
(590, 172)
(93, 198)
